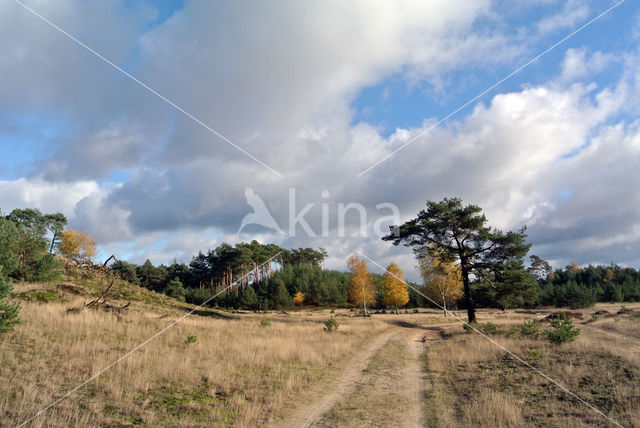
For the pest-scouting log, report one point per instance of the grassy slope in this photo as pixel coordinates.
(240, 373)
(237, 372)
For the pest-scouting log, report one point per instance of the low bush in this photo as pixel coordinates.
(562, 330)
(512, 332)
(489, 328)
(469, 327)
(533, 354)
(530, 328)
(331, 325)
(264, 322)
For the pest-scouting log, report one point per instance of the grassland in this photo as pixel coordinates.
(217, 368)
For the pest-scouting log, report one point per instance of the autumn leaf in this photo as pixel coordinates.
(395, 289)
(362, 290)
(77, 246)
(442, 280)
(298, 298)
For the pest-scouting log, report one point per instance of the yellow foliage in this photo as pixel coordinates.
(298, 298)
(77, 246)
(362, 290)
(574, 266)
(609, 275)
(442, 280)
(396, 292)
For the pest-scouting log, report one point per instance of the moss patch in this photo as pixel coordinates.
(42, 296)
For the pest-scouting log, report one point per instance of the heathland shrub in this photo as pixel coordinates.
(489, 328)
(530, 328)
(562, 330)
(486, 328)
(512, 332)
(264, 322)
(533, 353)
(469, 327)
(331, 325)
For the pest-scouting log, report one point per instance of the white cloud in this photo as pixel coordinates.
(574, 12)
(578, 63)
(48, 197)
(279, 79)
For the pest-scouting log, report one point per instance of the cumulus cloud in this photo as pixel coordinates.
(574, 12)
(579, 63)
(47, 196)
(279, 79)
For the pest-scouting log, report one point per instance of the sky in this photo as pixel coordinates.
(320, 106)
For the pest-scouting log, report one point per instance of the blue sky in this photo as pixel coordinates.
(395, 103)
(319, 93)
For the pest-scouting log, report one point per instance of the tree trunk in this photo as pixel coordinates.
(444, 305)
(468, 301)
(53, 241)
(364, 302)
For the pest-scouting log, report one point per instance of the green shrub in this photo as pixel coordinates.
(469, 327)
(198, 296)
(562, 330)
(331, 325)
(191, 339)
(512, 332)
(489, 328)
(176, 290)
(8, 311)
(533, 353)
(45, 269)
(530, 328)
(41, 296)
(264, 322)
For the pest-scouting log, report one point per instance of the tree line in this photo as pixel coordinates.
(462, 262)
(293, 277)
(255, 266)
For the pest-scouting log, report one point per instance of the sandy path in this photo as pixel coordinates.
(416, 379)
(408, 379)
(308, 415)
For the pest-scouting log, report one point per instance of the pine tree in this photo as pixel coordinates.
(460, 234)
(8, 311)
(249, 298)
(176, 290)
(281, 298)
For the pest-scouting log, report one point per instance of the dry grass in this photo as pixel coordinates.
(243, 374)
(475, 384)
(237, 372)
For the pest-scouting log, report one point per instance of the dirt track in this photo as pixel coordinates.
(370, 378)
